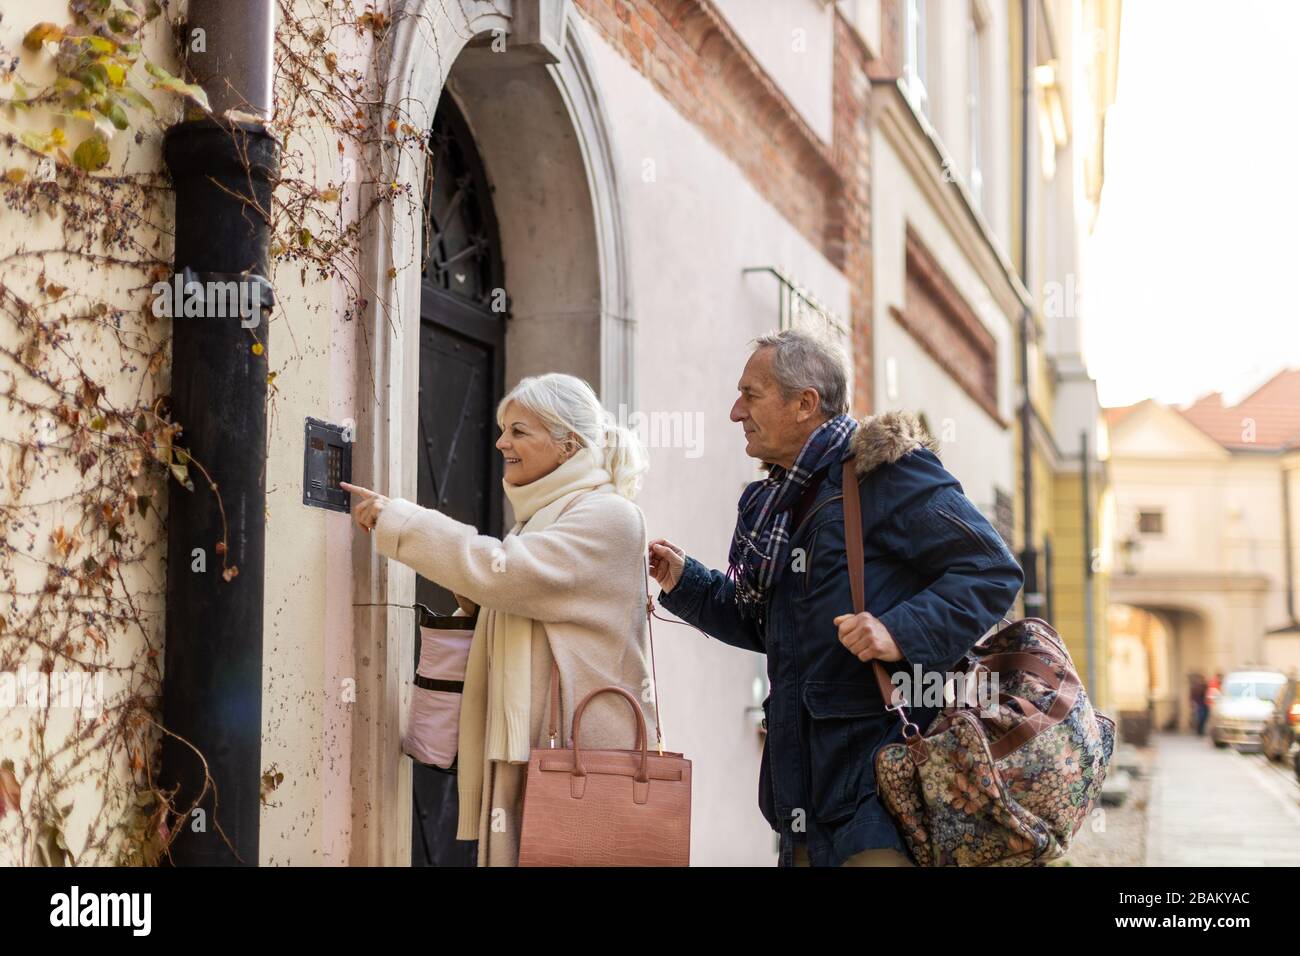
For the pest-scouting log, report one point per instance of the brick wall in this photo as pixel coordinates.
(850, 234)
(940, 320)
(699, 65)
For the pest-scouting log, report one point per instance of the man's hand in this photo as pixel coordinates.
(866, 638)
(666, 563)
(370, 504)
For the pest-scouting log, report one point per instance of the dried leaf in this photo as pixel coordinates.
(182, 474)
(134, 98)
(10, 791)
(124, 21)
(98, 44)
(38, 34)
(41, 142)
(165, 81)
(51, 849)
(92, 154)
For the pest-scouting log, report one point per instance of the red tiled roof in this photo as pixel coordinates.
(1268, 419)
(1118, 413)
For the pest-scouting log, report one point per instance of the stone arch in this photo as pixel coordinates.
(571, 288)
(1175, 641)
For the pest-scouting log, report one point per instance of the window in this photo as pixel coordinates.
(943, 323)
(1151, 522)
(974, 92)
(914, 53)
(1260, 688)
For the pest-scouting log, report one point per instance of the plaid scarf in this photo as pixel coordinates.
(762, 536)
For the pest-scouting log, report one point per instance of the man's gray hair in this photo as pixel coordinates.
(801, 359)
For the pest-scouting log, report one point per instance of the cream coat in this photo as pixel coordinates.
(581, 581)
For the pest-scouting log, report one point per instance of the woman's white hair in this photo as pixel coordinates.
(570, 410)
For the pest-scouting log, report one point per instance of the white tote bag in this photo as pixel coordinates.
(433, 718)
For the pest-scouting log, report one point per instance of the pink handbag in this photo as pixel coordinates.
(433, 717)
(606, 807)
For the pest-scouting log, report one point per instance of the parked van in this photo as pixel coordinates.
(1243, 706)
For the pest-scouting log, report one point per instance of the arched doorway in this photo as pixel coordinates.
(462, 338)
(1156, 652)
(534, 118)
(462, 368)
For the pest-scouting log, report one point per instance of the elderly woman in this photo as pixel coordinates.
(566, 584)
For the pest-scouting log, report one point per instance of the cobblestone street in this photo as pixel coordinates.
(1210, 807)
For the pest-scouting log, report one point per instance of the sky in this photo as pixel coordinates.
(1191, 278)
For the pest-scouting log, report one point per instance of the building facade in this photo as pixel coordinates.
(969, 298)
(626, 190)
(1205, 542)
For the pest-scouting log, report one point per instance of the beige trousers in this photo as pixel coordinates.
(883, 856)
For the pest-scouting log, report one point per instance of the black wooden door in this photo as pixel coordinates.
(462, 361)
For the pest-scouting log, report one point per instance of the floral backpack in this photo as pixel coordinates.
(1004, 785)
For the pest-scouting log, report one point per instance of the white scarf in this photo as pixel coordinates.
(498, 676)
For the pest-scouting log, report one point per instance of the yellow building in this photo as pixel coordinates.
(1062, 509)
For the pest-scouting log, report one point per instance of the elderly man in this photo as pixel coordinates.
(938, 576)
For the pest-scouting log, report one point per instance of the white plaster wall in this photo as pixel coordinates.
(48, 491)
(1220, 517)
(979, 450)
(864, 17)
(309, 662)
(995, 111)
(945, 79)
(1222, 514)
(794, 40)
(690, 232)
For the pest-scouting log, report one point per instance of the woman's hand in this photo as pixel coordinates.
(370, 504)
(666, 563)
(466, 605)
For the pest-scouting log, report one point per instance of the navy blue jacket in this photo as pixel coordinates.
(938, 576)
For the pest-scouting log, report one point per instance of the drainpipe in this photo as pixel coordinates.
(1029, 555)
(1089, 627)
(223, 173)
(1047, 577)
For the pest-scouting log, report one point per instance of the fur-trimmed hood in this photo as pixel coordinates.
(883, 439)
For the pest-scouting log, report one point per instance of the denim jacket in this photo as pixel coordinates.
(938, 576)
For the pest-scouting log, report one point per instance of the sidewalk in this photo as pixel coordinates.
(1211, 807)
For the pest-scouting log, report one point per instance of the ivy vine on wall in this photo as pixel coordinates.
(89, 451)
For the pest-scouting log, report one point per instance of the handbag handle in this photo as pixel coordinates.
(580, 771)
(857, 585)
(552, 724)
